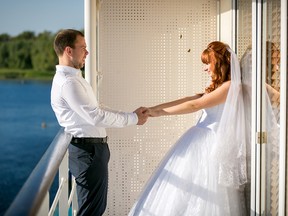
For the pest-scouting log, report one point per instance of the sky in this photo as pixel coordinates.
(17, 16)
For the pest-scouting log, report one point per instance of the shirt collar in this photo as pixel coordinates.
(68, 69)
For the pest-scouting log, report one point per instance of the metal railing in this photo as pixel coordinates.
(33, 198)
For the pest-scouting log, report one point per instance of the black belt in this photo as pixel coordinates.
(88, 140)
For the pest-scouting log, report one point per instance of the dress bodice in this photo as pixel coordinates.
(210, 117)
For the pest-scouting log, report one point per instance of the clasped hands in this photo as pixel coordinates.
(143, 113)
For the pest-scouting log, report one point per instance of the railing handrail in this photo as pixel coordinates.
(29, 199)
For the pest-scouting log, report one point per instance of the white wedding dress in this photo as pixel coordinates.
(205, 172)
(186, 181)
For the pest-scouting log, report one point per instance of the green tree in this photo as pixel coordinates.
(4, 50)
(42, 53)
(4, 38)
(26, 35)
(19, 54)
(4, 55)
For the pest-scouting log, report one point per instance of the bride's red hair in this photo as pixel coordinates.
(218, 55)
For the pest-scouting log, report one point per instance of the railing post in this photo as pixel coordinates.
(63, 176)
(44, 209)
(73, 193)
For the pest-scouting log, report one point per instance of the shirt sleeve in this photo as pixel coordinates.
(79, 99)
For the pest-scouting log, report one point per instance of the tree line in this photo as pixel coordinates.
(28, 51)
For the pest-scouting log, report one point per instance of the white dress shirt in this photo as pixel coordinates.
(76, 107)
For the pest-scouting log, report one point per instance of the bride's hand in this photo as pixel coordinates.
(153, 112)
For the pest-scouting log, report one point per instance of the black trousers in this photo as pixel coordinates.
(88, 163)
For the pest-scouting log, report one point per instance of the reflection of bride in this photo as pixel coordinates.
(269, 125)
(205, 171)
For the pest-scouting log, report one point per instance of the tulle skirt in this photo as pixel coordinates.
(185, 182)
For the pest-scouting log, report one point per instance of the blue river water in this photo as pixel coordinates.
(27, 127)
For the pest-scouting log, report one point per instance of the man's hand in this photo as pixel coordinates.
(142, 115)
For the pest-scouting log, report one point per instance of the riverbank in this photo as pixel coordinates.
(19, 74)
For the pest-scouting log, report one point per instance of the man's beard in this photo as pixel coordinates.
(77, 65)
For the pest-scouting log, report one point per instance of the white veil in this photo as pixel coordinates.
(230, 149)
(233, 148)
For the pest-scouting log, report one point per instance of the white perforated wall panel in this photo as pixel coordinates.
(149, 53)
(244, 37)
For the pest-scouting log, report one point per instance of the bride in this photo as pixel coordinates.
(205, 171)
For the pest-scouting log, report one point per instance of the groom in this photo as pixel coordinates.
(77, 110)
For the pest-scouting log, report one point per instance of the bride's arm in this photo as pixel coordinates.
(192, 104)
(175, 102)
(273, 94)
